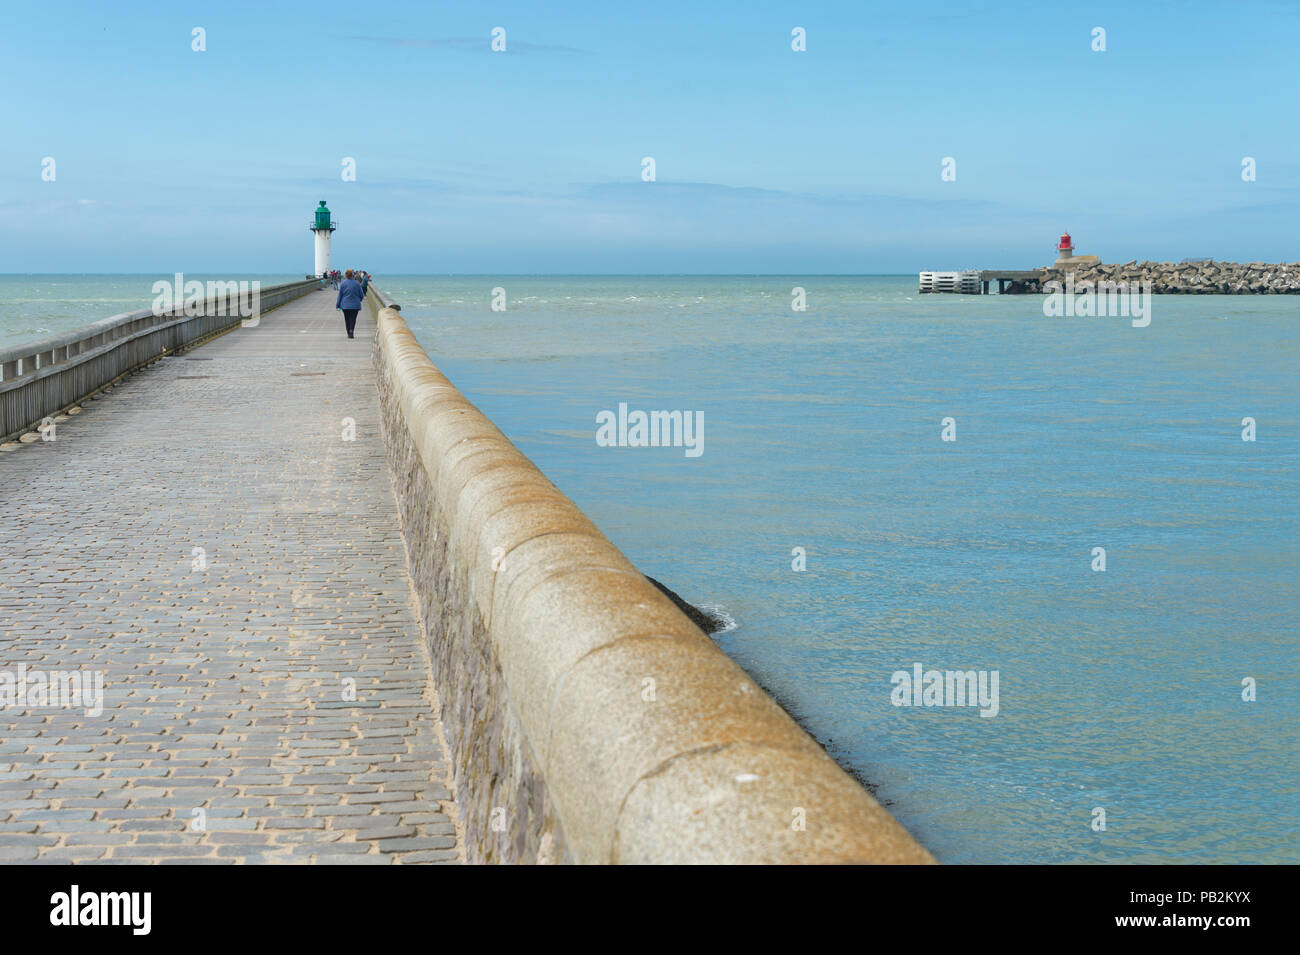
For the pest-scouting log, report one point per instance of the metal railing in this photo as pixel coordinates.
(44, 377)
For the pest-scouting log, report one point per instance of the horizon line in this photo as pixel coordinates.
(521, 274)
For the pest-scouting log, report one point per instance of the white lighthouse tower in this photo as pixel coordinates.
(323, 226)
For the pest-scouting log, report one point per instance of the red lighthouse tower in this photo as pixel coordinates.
(1066, 259)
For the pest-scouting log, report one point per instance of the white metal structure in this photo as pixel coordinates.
(967, 282)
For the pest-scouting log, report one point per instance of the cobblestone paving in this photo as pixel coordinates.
(229, 733)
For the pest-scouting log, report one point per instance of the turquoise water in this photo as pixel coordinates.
(1118, 689)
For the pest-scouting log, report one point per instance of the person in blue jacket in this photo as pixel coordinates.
(349, 301)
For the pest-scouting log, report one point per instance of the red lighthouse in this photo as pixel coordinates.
(1066, 259)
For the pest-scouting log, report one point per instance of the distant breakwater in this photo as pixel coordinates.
(1181, 278)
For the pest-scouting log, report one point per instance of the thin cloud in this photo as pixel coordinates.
(712, 190)
(473, 45)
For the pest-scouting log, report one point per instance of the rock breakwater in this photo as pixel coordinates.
(1182, 278)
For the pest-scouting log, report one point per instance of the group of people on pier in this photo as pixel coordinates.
(335, 276)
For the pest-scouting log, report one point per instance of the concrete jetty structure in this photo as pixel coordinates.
(202, 541)
(967, 282)
(338, 617)
(974, 281)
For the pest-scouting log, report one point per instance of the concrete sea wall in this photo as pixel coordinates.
(588, 720)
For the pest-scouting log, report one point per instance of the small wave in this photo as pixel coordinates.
(728, 621)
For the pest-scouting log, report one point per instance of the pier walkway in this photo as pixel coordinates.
(208, 538)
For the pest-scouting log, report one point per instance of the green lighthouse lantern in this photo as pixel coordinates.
(322, 216)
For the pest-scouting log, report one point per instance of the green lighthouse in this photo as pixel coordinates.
(323, 226)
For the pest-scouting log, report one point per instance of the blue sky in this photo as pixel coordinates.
(767, 160)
